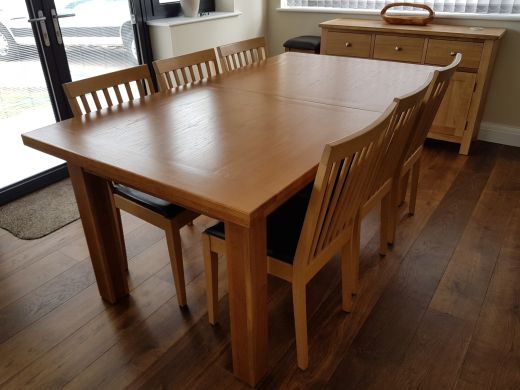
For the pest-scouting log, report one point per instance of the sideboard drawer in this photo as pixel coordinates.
(348, 44)
(441, 52)
(398, 48)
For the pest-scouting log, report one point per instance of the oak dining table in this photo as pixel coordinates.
(233, 148)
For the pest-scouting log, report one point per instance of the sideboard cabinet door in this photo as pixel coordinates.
(453, 112)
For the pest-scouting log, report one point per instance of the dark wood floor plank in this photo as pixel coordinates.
(381, 344)
(436, 353)
(32, 342)
(137, 350)
(30, 251)
(493, 357)
(60, 365)
(20, 283)
(31, 307)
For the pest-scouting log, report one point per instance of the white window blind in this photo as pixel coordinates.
(450, 6)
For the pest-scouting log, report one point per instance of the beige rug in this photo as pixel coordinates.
(41, 212)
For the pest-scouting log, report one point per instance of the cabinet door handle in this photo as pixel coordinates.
(398, 48)
(348, 44)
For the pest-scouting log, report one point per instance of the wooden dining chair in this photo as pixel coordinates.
(432, 101)
(304, 234)
(179, 71)
(108, 90)
(239, 54)
(390, 160)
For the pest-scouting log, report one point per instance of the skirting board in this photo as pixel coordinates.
(499, 134)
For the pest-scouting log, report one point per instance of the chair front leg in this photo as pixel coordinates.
(393, 210)
(414, 186)
(173, 240)
(300, 323)
(348, 275)
(355, 251)
(211, 271)
(385, 223)
(403, 185)
(120, 232)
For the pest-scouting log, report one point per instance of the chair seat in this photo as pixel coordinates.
(306, 42)
(157, 205)
(284, 226)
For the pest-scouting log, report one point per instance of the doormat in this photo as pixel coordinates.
(40, 213)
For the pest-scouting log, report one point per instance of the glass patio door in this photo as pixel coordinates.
(43, 44)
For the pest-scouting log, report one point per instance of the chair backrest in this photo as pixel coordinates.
(108, 89)
(239, 54)
(432, 101)
(346, 170)
(398, 137)
(178, 71)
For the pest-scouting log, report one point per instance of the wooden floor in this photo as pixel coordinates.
(442, 310)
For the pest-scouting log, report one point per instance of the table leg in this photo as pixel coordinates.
(247, 273)
(96, 209)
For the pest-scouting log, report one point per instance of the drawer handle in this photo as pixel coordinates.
(348, 44)
(453, 53)
(398, 48)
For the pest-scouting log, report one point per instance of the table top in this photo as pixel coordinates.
(349, 82)
(229, 153)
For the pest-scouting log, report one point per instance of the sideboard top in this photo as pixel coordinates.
(429, 30)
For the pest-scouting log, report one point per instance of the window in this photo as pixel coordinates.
(486, 7)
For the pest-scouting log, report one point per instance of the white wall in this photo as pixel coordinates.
(187, 38)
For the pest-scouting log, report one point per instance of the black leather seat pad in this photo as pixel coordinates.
(284, 226)
(150, 202)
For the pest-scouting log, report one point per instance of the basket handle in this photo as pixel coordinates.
(418, 5)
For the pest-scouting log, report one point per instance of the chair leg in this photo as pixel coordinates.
(403, 187)
(211, 271)
(300, 324)
(173, 239)
(413, 189)
(355, 250)
(385, 223)
(347, 276)
(395, 194)
(120, 232)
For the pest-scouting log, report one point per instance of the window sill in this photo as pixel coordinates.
(180, 20)
(440, 15)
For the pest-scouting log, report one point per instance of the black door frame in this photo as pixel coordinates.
(53, 59)
(56, 72)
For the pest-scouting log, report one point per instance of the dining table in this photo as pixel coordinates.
(234, 147)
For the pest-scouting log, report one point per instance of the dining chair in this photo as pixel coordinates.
(432, 101)
(108, 90)
(390, 159)
(179, 71)
(304, 234)
(239, 54)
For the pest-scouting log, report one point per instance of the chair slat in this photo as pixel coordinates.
(96, 100)
(86, 106)
(129, 91)
(140, 88)
(107, 97)
(118, 94)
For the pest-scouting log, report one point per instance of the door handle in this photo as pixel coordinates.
(45, 34)
(65, 16)
(56, 24)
